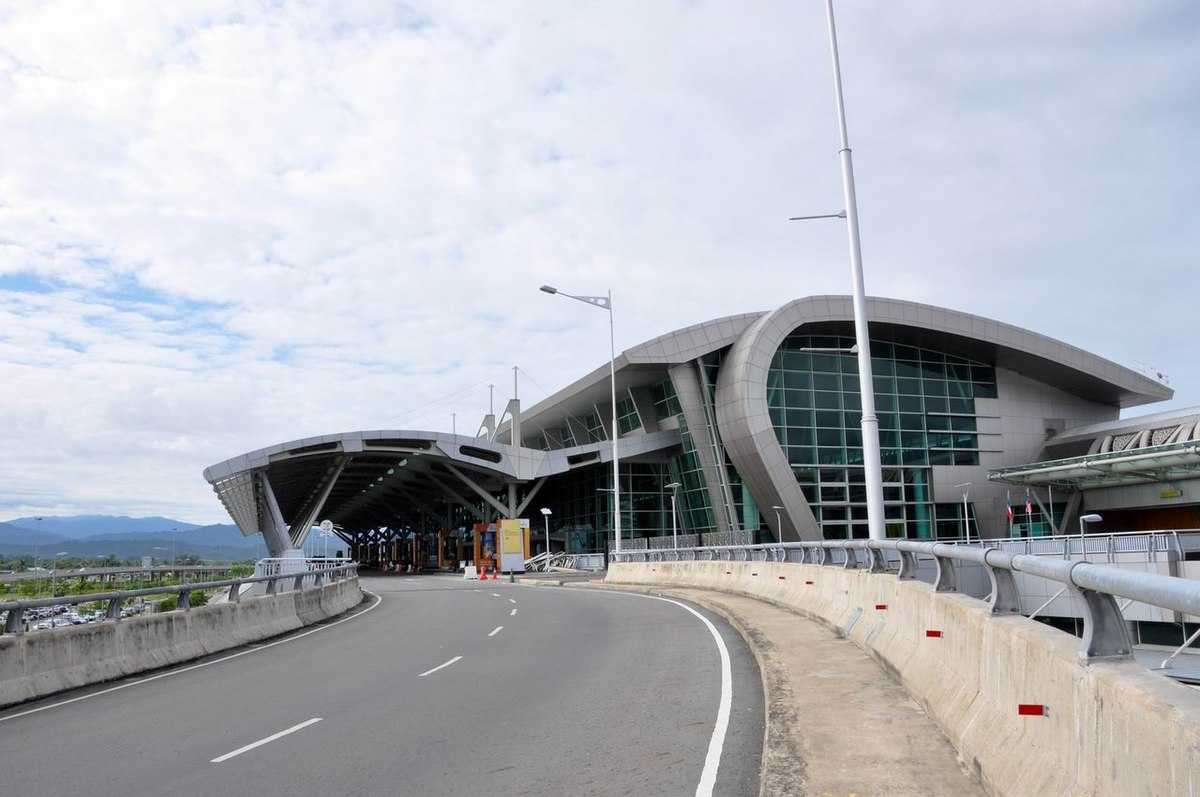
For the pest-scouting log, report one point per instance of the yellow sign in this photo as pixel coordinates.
(1170, 492)
(512, 537)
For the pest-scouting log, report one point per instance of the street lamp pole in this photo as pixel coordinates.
(1083, 521)
(674, 518)
(870, 423)
(546, 516)
(605, 303)
(966, 515)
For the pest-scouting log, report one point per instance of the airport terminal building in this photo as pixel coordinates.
(756, 418)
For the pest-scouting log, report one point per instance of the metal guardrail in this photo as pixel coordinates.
(1105, 632)
(285, 566)
(1151, 543)
(14, 624)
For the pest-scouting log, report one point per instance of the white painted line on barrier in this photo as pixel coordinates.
(268, 740)
(378, 600)
(510, 600)
(495, 594)
(496, 630)
(440, 666)
(513, 613)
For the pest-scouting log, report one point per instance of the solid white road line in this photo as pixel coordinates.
(495, 594)
(510, 600)
(496, 630)
(440, 666)
(378, 600)
(513, 613)
(716, 743)
(268, 740)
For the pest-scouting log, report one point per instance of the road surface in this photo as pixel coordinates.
(435, 686)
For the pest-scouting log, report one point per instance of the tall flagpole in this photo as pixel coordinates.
(870, 423)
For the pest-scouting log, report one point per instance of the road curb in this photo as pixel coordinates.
(781, 771)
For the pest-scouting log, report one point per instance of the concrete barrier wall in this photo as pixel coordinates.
(1113, 728)
(41, 663)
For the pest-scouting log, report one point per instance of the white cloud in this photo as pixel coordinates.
(257, 222)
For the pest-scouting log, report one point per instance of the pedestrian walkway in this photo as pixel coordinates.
(837, 723)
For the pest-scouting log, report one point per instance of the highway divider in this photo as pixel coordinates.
(40, 663)
(1025, 712)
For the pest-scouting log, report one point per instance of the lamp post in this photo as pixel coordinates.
(674, 522)
(546, 516)
(778, 522)
(1084, 520)
(605, 303)
(870, 423)
(966, 488)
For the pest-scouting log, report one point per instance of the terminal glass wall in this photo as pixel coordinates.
(581, 503)
(925, 401)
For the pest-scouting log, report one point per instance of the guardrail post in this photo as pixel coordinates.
(114, 609)
(878, 564)
(298, 583)
(271, 585)
(947, 576)
(1105, 633)
(1006, 599)
(235, 592)
(826, 556)
(319, 578)
(851, 562)
(185, 599)
(908, 565)
(14, 625)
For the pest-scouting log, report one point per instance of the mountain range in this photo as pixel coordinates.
(124, 537)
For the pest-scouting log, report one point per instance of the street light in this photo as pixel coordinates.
(1083, 521)
(778, 522)
(605, 303)
(870, 423)
(966, 522)
(546, 515)
(674, 523)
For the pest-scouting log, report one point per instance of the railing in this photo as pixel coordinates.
(565, 561)
(1151, 543)
(1105, 635)
(286, 566)
(14, 622)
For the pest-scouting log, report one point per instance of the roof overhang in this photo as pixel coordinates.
(1167, 463)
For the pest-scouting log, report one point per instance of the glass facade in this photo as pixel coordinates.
(925, 401)
(581, 502)
(666, 403)
(695, 510)
(627, 416)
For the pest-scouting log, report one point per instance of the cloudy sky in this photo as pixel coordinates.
(228, 224)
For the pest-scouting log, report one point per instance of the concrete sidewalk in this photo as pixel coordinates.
(837, 724)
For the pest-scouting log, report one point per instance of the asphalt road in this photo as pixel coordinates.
(581, 692)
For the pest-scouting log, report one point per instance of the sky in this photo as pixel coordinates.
(229, 224)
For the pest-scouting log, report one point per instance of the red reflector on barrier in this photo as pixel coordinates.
(728, 573)
(1033, 710)
(754, 574)
(934, 634)
(781, 578)
(808, 582)
(881, 607)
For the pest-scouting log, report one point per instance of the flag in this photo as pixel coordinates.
(1008, 510)
(1028, 505)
